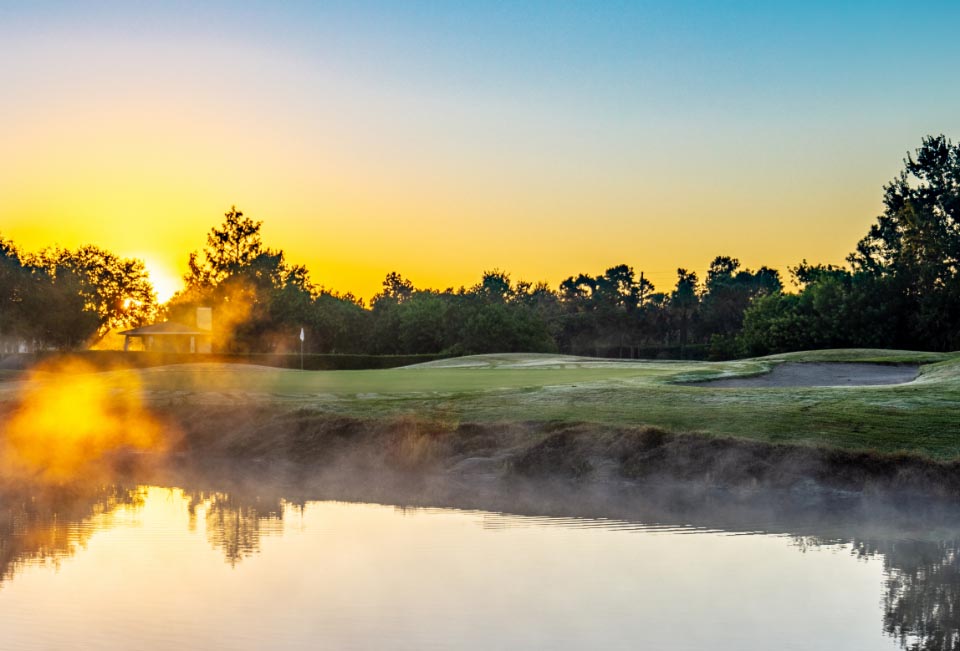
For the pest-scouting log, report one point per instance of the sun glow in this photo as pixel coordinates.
(71, 423)
(165, 282)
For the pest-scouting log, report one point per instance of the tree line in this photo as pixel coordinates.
(66, 299)
(900, 288)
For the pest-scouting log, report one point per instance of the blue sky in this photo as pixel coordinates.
(762, 130)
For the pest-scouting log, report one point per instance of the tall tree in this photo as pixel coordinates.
(916, 242)
(260, 302)
(13, 280)
(396, 289)
(117, 290)
(727, 293)
(495, 286)
(231, 249)
(684, 302)
(43, 303)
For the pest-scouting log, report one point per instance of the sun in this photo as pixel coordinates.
(165, 282)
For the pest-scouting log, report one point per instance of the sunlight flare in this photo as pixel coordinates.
(71, 422)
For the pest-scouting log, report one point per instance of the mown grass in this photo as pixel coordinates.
(922, 417)
(874, 355)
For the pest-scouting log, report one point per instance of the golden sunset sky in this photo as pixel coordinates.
(440, 140)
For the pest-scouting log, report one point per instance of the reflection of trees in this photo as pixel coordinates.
(235, 523)
(49, 525)
(922, 601)
(921, 604)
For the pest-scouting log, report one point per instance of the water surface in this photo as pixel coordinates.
(152, 567)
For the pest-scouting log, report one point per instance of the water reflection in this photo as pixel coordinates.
(236, 523)
(47, 525)
(919, 545)
(51, 524)
(921, 605)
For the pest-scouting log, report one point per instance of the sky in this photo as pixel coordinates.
(442, 139)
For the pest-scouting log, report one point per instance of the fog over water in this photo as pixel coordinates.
(283, 560)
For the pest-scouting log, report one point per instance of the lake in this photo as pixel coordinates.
(173, 567)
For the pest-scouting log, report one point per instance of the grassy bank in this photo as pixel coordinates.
(922, 417)
(475, 454)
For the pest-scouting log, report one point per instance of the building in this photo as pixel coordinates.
(172, 337)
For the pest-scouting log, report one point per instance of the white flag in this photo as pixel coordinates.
(301, 334)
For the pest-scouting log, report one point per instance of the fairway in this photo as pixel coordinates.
(922, 416)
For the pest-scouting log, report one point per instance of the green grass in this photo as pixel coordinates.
(921, 417)
(880, 356)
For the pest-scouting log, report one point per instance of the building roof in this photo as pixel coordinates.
(165, 328)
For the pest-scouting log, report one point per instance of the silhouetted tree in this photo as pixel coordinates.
(65, 299)
(684, 302)
(915, 243)
(728, 292)
(260, 301)
(396, 288)
(117, 290)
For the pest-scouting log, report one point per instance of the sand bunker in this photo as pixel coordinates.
(821, 374)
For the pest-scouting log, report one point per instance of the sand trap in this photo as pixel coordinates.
(821, 374)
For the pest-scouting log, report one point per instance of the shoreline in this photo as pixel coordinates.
(580, 454)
